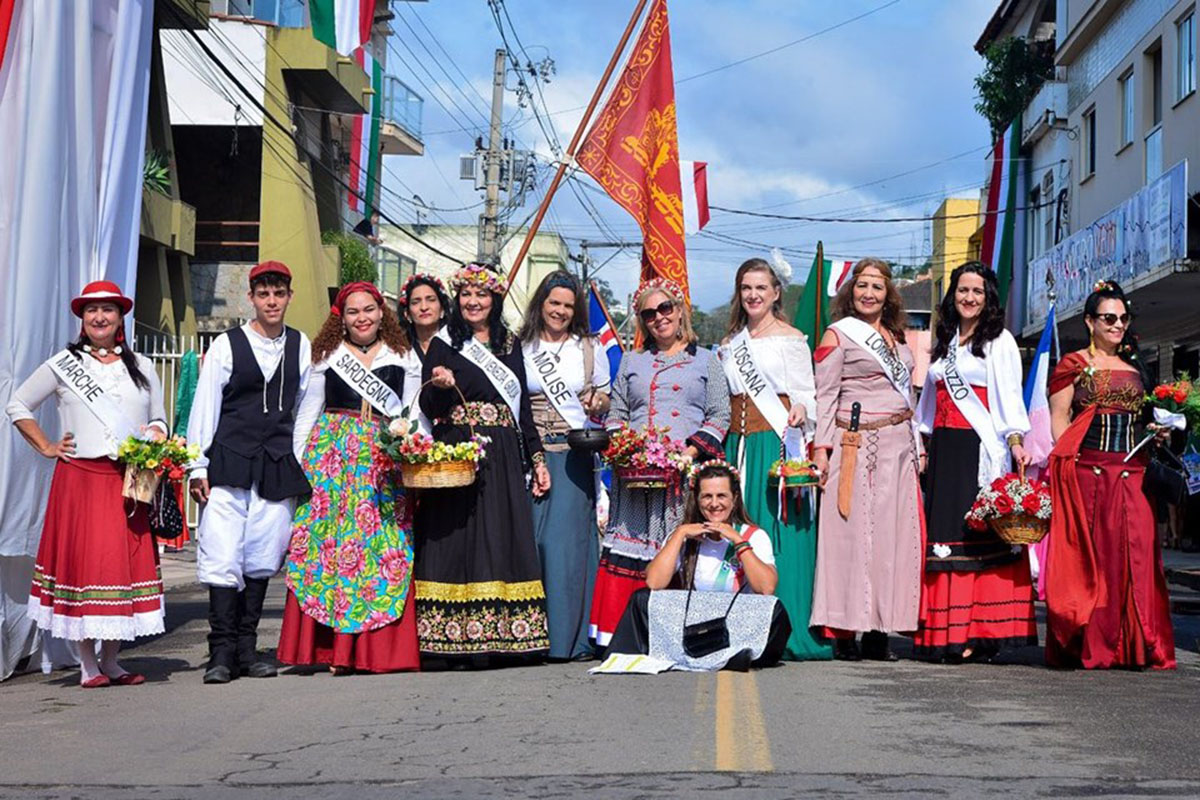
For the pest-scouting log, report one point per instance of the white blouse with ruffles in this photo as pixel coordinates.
(92, 440)
(786, 364)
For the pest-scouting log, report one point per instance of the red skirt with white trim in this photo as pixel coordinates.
(96, 575)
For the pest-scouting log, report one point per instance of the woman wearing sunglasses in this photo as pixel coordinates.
(674, 385)
(1106, 597)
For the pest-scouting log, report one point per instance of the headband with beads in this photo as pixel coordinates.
(435, 280)
(695, 469)
(480, 276)
(664, 285)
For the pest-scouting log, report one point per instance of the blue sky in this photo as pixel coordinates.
(799, 130)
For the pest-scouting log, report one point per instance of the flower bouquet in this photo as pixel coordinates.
(1176, 405)
(146, 462)
(426, 463)
(1018, 510)
(795, 472)
(646, 459)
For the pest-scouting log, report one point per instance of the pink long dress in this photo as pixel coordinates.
(868, 566)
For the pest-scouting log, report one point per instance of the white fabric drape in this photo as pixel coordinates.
(74, 86)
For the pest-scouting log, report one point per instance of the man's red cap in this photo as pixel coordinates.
(268, 267)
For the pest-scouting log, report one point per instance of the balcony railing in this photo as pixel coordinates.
(1046, 108)
(402, 105)
(280, 13)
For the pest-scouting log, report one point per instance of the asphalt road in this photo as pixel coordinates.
(855, 730)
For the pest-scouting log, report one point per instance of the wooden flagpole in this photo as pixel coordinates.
(820, 287)
(570, 154)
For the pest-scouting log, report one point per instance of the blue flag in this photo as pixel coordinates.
(604, 332)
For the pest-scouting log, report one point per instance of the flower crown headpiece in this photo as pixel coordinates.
(664, 285)
(697, 467)
(478, 275)
(1104, 286)
(416, 276)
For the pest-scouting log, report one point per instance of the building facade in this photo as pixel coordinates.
(268, 173)
(401, 254)
(1109, 149)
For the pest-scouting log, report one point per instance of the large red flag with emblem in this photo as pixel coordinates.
(632, 149)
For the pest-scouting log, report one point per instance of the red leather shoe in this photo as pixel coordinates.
(97, 682)
(129, 679)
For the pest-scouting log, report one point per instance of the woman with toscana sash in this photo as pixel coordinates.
(869, 551)
(1106, 596)
(566, 374)
(479, 587)
(96, 576)
(978, 595)
(349, 563)
(763, 349)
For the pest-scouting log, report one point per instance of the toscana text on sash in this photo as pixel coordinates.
(744, 362)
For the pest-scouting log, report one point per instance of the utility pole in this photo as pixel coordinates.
(489, 228)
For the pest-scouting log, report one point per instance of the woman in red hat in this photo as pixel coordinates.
(96, 575)
(349, 563)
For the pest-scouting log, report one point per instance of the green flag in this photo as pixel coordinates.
(812, 309)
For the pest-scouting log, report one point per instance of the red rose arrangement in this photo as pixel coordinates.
(1008, 496)
(1176, 405)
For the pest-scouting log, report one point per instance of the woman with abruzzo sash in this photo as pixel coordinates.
(764, 350)
(566, 374)
(869, 551)
(479, 587)
(978, 596)
(96, 576)
(349, 563)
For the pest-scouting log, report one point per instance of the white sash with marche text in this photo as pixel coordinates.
(75, 375)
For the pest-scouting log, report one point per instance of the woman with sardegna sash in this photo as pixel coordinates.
(674, 385)
(978, 592)
(1106, 596)
(479, 588)
(869, 551)
(566, 374)
(349, 562)
(772, 358)
(96, 576)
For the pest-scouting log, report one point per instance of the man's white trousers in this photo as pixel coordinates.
(241, 536)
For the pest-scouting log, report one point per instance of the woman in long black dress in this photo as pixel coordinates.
(478, 579)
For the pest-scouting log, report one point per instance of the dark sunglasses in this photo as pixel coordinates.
(664, 308)
(1113, 319)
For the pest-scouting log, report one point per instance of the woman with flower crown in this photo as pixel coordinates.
(678, 388)
(349, 563)
(478, 579)
(1106, 596)
(760, 348)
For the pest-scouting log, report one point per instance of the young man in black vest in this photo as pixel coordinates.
(248, 476)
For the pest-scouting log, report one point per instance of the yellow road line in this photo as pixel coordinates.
(741, 732)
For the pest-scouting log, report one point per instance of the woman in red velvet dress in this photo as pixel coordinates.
(1106, 596)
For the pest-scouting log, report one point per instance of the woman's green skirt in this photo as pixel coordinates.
(794, 541)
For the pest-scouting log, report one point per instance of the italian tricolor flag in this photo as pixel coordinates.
(344, 25)
(364, 141)
(1000, 219)
(824, 280)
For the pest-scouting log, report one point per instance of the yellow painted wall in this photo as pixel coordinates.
(951, 241)
(289, 228)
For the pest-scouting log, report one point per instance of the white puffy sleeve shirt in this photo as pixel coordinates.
(786, 364)
(92, 440)
(999, 370)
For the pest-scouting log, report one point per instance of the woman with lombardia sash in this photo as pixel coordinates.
(869, 551)
(565, 389)
(978, 596)
(1106, 597)
(479, 587)
(349, 563)
(96, 576)
(773, 397)
(674, 385)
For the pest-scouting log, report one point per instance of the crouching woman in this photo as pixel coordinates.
(716, 554)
